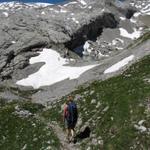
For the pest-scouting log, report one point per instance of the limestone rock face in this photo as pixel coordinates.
(26, 28)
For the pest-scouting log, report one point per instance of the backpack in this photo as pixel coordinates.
(72, 113)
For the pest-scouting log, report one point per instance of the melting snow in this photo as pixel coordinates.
(87, 48)
(133, 20)
(82, 2)
(42, 13)
(13, 42)
(17, 5)
(136, 34)
(63, 10)
(53, 71)
(103, 10)
(90, 7)
(70, 3)
(6, 14)
(40, 4)
(137, 14)
(144, 7)
(86, 45)
(76, 21)
(119, 65)
(123, 18)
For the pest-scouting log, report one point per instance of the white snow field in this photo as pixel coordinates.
(18, 5)
(54, 70)
(136, 34)
(119, 64)
(143, 6)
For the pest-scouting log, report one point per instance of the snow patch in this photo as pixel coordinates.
(42, 13)
(137, 14)
(144, 7)
(119, 65)
(71, 3)
(136, 34)
(103, 10)
(90, 7)
(63, 10)
(17, 5)
(6, 14)
(122, 18)
(86, 45)
(133, 20)
(82, 2)
(87, 48)
(13, 42)
(76, 21)
(40, 4)
(54, 70)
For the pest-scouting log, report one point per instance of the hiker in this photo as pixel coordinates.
(70, 117)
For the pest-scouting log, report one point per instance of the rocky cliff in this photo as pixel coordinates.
(26, 29)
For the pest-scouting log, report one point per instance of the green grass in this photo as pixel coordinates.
(124, 98)
(25, 132)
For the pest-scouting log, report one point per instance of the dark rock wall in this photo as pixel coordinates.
(92, 30)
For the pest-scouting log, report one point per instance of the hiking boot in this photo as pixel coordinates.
(72, 140)
(67, 140)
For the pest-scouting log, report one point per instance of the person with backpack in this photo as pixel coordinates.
(70, 117)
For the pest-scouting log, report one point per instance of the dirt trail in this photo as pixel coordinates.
(62, 137)
(60, 134)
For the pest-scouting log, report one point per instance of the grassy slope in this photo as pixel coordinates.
(111, 108)
(24, 132)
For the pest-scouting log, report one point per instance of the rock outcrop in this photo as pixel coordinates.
(25, 28)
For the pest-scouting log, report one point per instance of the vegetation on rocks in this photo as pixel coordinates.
(21, 129)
